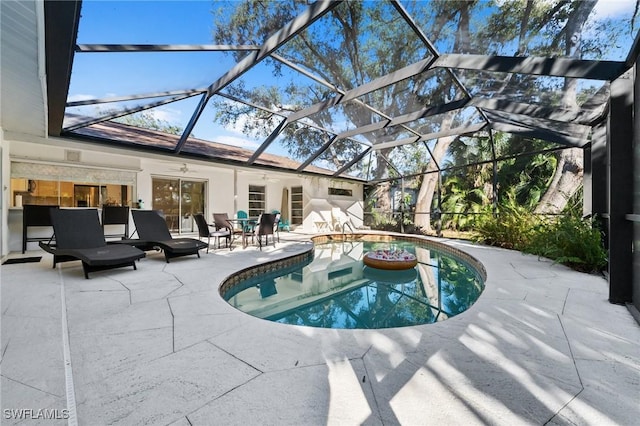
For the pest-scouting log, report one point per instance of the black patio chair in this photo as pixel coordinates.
(116, 215)
(35, 216)
(205, 231)
(222, 222)
(153, 232)
(264, 227)
(79, 236)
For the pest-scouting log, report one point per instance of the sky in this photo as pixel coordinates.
(100, 75)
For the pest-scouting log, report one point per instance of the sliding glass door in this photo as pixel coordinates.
(178, 199)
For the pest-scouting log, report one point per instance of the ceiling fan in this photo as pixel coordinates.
(184, 169)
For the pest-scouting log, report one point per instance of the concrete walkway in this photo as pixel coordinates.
(159, 346)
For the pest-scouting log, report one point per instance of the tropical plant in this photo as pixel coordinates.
(570, 240)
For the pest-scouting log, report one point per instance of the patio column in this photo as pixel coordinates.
(595, 178)
(620, 184)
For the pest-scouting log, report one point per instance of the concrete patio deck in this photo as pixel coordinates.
(158, 345)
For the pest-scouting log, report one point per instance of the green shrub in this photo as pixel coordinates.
(572, 241)
(569, 240)
(512, 227)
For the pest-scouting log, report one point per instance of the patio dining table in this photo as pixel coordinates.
(245, 224)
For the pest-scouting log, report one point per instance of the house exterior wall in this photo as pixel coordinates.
(227, 187)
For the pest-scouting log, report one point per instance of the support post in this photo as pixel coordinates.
(620, 185)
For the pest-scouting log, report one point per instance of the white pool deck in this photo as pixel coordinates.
(159, 346)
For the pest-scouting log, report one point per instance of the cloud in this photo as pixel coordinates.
(613, 8)
(237, 141)
(80, 97)
(169, 115)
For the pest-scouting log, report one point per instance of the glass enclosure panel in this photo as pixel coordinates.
(509, 144)
(165, 22)
(170, 118)
(297, 142)
(361, 169)
(467, 194)
(433, 87)
(110, 74)
(496, 28)
(463, 150)
(345, 117)
(350, 45)
(82, 113)
(531, 89)
(409, 159)
(339, 153)
(277, 87)
(390, 134)
(234, 123)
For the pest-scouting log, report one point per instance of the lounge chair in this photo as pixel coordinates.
(205, 231)
(153, 232)
(79, 236)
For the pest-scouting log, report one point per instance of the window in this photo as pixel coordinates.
(296, 205)
(68, 194)
(340, 191)
(178, 200)
(257, 199)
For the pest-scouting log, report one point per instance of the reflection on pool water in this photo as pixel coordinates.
(336, 290)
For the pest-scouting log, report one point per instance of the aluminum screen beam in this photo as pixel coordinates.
(267, 141)
(352, 162)
(61, 30)
(556, 67)
(134, 97)
(298, 24)
(539, 134)
(576, 131)
(122, 48)
(320, 150)
(510, 107)
(430, 136)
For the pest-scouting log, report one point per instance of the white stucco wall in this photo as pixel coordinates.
(227, 187)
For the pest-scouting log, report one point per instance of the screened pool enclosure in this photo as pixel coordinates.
(443, 109)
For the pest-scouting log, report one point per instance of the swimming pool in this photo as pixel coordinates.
(332, 288)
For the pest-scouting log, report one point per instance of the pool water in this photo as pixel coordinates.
(336, 290)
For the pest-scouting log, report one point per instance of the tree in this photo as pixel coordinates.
(146, 120)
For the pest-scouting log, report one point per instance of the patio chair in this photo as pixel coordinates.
(222, 222)
(153, 232)
(276, 225)
(264, 227)
(116, 215)
(79, 236)
(205, 231)
(245, 225)
(35, 216)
